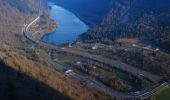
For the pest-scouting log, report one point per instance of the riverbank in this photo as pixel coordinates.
(45, 26)
(70, 26)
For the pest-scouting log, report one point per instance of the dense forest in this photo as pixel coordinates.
(94, 11)
(143, 22)
(112, 19)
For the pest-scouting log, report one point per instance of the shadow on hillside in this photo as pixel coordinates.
(17, 86)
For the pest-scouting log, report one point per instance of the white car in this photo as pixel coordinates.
(63, 48)
(69, 72)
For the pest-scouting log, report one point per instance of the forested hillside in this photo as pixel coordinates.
(25, 73)
(14, 14)
(143, 20)
(146, 20)
(90, 11)
(94, 12)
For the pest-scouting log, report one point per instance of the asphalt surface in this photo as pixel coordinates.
(112, 63)
(115, 64)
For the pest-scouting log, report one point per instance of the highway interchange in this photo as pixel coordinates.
(115, 64)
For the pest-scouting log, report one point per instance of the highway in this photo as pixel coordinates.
(112, 63)
(86, 80)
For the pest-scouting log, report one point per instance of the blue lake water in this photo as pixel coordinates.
(69, 26)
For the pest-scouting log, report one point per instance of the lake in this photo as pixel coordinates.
(69, 26)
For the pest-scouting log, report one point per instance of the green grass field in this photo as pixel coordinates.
(164, 95)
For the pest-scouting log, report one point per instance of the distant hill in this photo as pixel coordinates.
(145, 19)
(157, 5)
(94, 11)
(91, 11)
(19, 4)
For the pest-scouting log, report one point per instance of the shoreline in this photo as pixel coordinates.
(88, 23)
(45, 29)
(52, 28)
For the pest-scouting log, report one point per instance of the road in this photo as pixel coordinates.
(108, 90)
(112, 63)
(86, 80)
